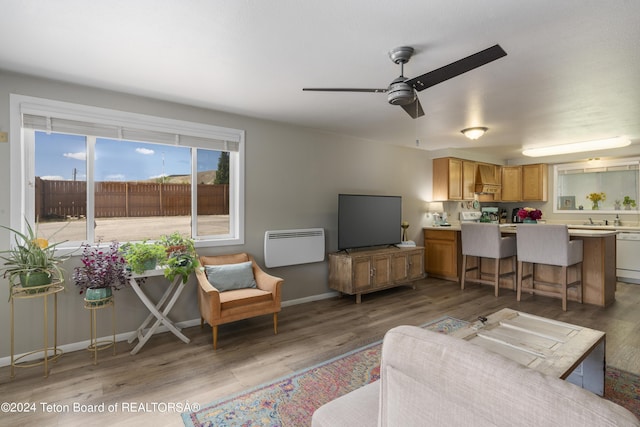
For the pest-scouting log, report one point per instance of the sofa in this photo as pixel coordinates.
(431, 379)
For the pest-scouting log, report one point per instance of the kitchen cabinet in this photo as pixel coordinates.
(511, 183)
(443, 252)
(527, 183)
(468, 179)
(365, 271)
(534, 182)
(453, 179)
(447, 179)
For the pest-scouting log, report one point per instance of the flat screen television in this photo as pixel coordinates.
(367, 220)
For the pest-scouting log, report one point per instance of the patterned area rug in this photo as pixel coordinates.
(291, 401)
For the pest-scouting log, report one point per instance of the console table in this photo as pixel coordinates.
(364, 271)
(159, 311)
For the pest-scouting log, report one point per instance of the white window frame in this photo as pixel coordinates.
(22, 166)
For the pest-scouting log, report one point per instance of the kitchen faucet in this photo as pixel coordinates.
(591, 221)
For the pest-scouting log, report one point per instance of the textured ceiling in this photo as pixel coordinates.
(572, 72)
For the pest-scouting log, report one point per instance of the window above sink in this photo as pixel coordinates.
(612, 181)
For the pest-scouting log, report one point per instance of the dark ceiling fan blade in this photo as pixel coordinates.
(414, 109)
(456, 68)
(337, 89)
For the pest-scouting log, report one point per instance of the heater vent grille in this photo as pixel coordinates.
(291, 247)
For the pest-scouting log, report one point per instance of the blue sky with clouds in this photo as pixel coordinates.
(61, 156)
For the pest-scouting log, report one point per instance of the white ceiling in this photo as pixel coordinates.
(572, 70)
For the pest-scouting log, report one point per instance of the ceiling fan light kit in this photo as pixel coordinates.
(403, 91)
(577, 147)
(474, 132)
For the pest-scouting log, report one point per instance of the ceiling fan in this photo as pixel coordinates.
(402, 90)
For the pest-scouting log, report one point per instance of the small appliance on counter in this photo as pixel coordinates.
(514, 216)
(490, 214)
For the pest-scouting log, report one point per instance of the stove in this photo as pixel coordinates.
(470, 216)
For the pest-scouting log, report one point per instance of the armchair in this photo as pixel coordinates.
(220, 307)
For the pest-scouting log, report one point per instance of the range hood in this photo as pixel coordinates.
(486, 182)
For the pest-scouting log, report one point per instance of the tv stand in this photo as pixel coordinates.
(364, 271)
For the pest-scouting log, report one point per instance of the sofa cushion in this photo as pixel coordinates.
(227, 277)
(358, 408)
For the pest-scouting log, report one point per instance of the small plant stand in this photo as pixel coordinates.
(49, 354)
(94, 345)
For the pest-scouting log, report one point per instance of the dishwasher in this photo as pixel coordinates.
(628, 257)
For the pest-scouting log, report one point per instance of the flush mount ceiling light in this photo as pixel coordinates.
(577, 147)
(474, 133)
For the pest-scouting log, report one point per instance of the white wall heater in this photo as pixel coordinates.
(291, 247)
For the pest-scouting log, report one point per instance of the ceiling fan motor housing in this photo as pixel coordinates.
(400, 93)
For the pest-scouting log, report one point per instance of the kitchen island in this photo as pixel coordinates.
(598, 267)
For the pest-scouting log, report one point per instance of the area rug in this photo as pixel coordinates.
(290, 401)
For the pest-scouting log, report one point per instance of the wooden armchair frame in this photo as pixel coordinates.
(217, 308)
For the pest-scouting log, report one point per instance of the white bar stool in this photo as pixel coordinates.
(483, 240)
(549, 245)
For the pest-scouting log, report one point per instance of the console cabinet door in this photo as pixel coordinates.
(399, 267)
(362, 273)
(415, 261)
(381, 270)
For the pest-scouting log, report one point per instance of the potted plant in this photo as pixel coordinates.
(103, 269)
(596, 198)
(628, 203)
(182, 259)
(142, 256)
(32, 261)
(530, 215)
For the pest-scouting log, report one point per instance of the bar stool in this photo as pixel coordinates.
(549, 245)
(485, 241)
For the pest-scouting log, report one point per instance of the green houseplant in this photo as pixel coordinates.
(32, 261)
(142, 256)
(182, 259)
(103, 269)
(628, 203)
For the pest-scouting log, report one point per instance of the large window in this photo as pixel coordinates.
(614, 183)
(89, 174)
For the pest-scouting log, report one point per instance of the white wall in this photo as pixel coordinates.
(293, 177)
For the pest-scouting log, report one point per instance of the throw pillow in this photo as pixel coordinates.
(226, 277)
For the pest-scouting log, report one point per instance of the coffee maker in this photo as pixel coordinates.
(514, 216)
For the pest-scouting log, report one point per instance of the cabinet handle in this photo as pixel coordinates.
(373, 272)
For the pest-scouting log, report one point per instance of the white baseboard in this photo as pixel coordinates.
(82, 345)
(124, 336)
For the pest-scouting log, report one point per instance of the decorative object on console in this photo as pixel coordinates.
(404, 225)
(595, 199)
(529, 215)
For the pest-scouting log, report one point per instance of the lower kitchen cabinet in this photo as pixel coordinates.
(364, 271)
(443, 250)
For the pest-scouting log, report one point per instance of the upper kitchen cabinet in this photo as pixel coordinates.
(512, 183)
(457, 179)
(527, 183)
(534, 182)
(447, 179)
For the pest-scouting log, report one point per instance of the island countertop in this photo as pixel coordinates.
(598, 268)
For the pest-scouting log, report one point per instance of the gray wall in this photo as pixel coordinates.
(293, 177)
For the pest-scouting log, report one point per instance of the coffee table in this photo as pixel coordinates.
(570, 352)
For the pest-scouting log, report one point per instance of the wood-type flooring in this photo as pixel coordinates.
(167, 371)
